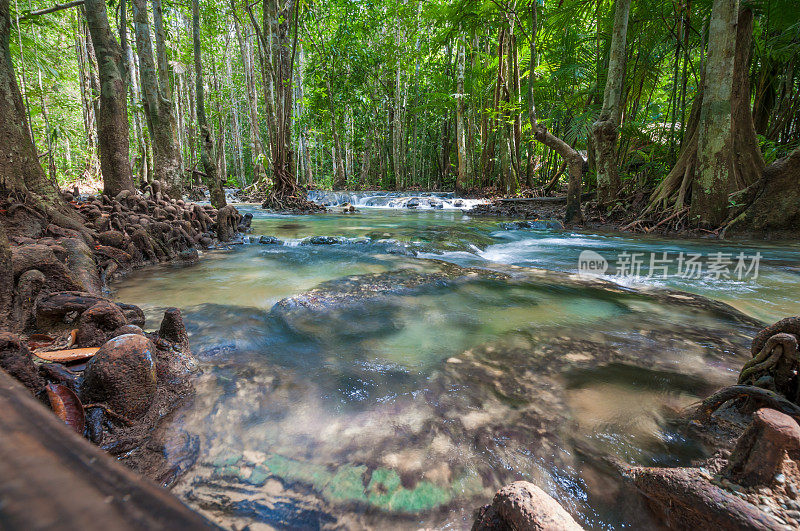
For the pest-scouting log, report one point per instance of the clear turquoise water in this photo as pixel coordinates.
(411, 411)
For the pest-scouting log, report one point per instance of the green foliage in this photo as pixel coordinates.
(367, 67)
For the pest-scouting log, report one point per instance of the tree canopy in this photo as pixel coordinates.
(434, 94)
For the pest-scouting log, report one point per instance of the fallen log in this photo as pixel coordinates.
(552, 200)
(54, 478)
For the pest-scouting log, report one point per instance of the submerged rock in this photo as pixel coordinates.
(536, 224)
(269, 240)
(324, 240)
(337, 306)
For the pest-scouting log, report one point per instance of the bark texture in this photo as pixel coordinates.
(606, 129)
(727, 159)
(715, 135)
(21, 175)
(464, 176)
(157, 98)
(6, 282)
(772, 204)
(208, 156)
(576, 163)
(112, 120)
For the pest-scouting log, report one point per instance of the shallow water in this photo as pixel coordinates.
(409, 407)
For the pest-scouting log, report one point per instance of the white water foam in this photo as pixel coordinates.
(395, 200)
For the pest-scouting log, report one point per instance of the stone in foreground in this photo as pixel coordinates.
(523, 506)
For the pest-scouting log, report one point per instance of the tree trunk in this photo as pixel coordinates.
(464, 163)
(112, 122)
(281, 20)
(256, 144)
(605, 130)
(135, 100)
(715, 135)
(208, 156)
(489, 145)
(398, 151)
(237, 129)
(339, 177)
(157, 98)
(722, 135)
(20, 171)
(510, 153)
(575, 161)
(92, 165)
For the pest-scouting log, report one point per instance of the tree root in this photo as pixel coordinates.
(111, 413)
(761, 397)
(768, 357)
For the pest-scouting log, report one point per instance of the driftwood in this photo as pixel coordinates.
(684, 499)
(552, 200)
(53, 478)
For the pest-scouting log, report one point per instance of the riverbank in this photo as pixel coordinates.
(631, 217)
(84, 355)
(440, 368)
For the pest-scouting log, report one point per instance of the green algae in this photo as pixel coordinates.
(346, 483)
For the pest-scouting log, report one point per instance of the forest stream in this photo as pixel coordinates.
(400, 371)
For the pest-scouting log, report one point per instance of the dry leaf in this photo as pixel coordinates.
(39, 340)
(67, 406)
(72, 338)
(66, 356)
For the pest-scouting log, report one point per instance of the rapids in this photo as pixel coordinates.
(397, 374)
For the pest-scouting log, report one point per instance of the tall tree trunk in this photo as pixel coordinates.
(339, 177)
(715, 135)
(281, 20)
(305, 155)
(490, 140)
(20, 171)
(208, 155)
(606, 129)
(112, 122)
(575, 161)
(510, 153)
(92, 164)
(256, 144)
(237, 129)
(464, 163)
(157, 98)
(738, 162)
(398, 151)
(366, 160)
(135, 101)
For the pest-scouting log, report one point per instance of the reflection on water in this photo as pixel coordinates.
(362, 406)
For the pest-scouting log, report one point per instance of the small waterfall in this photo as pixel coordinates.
(394, 200)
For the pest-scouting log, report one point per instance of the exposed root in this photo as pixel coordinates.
(756, 395)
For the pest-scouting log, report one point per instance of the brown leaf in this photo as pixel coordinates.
(72, 337)
(67, 406)
(66, 356)
(39, 340)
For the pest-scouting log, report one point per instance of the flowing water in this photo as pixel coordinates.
(397, 374)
